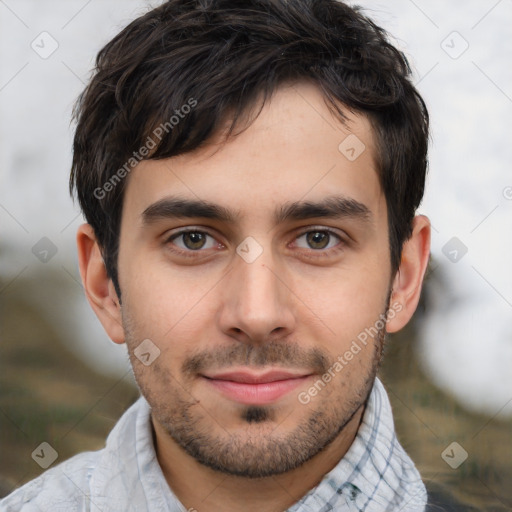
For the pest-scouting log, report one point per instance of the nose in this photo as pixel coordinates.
(257, 301)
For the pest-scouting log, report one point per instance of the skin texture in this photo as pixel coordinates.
(297, 306)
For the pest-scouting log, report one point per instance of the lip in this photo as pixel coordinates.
(252, 388)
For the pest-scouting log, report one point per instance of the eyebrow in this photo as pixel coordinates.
(331, 207)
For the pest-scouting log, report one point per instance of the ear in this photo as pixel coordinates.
(409, 278)
(99, 289)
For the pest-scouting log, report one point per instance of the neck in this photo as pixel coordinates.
(202, 489)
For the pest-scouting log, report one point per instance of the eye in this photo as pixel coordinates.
(190, 242)
(193, 240)
(318, 239)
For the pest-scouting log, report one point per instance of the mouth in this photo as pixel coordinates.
(250, 388)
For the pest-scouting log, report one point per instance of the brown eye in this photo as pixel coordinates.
(192, 240)
(318, 240)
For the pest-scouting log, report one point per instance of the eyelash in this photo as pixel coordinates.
(318, 253)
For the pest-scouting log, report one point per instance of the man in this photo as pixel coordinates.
(250, 175)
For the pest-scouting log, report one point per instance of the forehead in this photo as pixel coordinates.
(295, 149)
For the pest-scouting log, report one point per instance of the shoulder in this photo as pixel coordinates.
(89, 477)
(61, 488)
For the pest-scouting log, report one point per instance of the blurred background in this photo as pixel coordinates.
(448, 374)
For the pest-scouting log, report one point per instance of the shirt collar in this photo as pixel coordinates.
(376, 474)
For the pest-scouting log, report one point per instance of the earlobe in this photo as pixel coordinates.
(99, 289)
(409, 278)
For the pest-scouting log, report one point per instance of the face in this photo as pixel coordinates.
(252, 268)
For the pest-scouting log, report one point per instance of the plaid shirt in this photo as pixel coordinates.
(376, 475)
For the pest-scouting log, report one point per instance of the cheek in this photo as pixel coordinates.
(169, 306)
(344, 301)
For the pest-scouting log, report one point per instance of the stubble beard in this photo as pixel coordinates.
(258, 450)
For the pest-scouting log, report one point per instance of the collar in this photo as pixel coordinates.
(375, 475)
